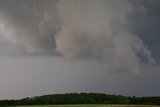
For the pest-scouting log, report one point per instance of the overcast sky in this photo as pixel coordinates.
(64, 46)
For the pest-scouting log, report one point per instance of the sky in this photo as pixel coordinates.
(67, 46)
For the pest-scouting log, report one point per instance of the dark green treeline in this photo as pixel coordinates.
(81, 98)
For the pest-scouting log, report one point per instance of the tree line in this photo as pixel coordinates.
(81, 98)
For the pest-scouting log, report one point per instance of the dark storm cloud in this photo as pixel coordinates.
(101, 30)
(30, 25)
(85, 29)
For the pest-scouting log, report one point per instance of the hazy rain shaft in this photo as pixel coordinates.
(98, 30)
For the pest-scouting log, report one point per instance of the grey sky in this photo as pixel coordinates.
(60, 46)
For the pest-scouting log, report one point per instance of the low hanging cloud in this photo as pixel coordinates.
(29, 25)
(99, 30)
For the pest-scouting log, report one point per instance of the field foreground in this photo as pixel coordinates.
(89, 106)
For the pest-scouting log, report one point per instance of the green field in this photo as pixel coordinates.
(90, 106)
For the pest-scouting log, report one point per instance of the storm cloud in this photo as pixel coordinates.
(101, 30)
(29, 25)
(98, 30)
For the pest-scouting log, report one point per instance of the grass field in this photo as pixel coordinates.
(90, 106)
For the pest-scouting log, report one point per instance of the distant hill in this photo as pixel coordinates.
(81, 98)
